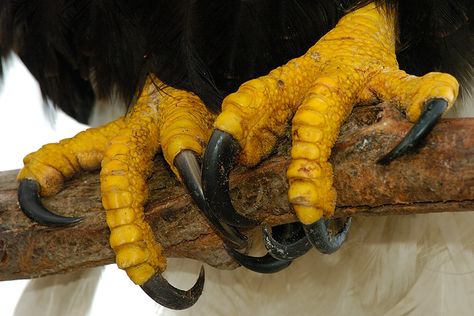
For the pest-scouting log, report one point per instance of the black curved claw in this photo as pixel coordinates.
(271, 262)
(188, 168)
(30, 204)
(218, 162)
(167, 295)
(431, 114)
(293, 246)
(321, 238)
(266, 264)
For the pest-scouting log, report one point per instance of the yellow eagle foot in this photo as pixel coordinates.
(172, 120)
(353, 63)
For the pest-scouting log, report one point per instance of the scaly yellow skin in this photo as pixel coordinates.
(163, 117)
(184, 124)
(54, 163)
(353, 63)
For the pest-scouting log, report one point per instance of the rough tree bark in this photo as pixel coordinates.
(439, 178)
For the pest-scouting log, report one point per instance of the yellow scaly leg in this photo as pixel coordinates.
(164, 118)
(54, 163)
(353, 63)
(178, 121)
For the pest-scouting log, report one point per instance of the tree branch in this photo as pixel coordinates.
(439, 178)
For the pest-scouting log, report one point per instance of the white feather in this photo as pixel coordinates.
(69, 294)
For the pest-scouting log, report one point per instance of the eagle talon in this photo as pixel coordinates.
(167, 295)
(294, 247)
(322, 240)
(266, 264)
(218, 162)
(190, 173)
(30, 204)
(431, 114)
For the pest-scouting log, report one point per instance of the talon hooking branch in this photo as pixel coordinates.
(223, 81)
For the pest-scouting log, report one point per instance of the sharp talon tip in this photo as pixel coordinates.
(167, 295)
(321, 238)
(387, 159)
(266, 264)
(433, 111)
(190, 172)
(218, 162)
(30, 204)
(291, 247)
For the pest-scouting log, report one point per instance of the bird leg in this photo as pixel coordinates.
(353, 63)
(165, 118)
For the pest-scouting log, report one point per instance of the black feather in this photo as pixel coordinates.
(81, 50)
